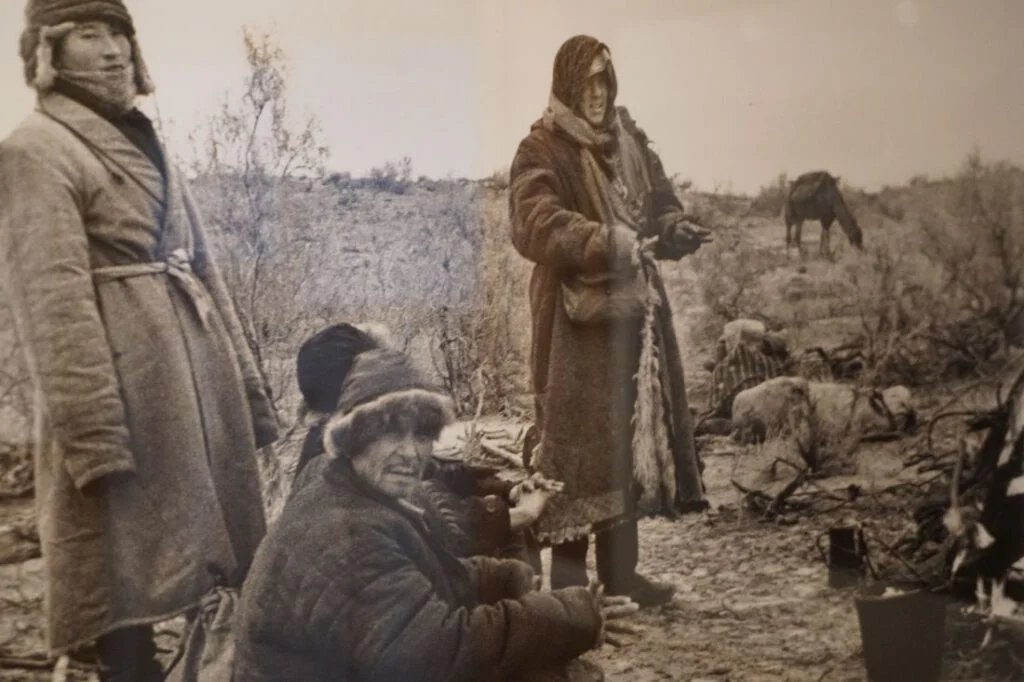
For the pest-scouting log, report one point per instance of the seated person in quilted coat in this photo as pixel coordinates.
(484, 514)
(354, 581)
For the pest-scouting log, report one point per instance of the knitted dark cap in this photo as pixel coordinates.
(52, 12)
(572, 68)
(324, 361)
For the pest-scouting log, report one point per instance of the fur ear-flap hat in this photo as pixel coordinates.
(47, 21)
(384, 393)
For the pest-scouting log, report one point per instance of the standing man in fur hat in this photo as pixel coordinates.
(592, 208)
(149, 407)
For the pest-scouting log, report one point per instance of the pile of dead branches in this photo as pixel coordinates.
(974, 530)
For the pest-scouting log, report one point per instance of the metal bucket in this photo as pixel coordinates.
(903, 635)
(846, 557)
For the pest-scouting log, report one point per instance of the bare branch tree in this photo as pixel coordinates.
(248, 157)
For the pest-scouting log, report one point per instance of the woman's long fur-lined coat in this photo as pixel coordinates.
(583, 375)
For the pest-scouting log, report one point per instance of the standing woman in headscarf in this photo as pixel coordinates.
(149, 407)
(592, 208)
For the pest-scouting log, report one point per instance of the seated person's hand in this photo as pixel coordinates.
(536, 481)
(529, 499)
(519, 579)
(614, 610)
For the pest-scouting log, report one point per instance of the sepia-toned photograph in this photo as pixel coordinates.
(537, 341)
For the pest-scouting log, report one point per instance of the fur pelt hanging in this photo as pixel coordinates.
(653, 464)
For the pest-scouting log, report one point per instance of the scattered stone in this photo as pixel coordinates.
(17, 546)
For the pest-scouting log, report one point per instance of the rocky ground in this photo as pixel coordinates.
(753, 600)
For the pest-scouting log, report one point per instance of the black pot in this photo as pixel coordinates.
(845, 557)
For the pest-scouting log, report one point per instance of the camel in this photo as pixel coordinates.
(816, 196)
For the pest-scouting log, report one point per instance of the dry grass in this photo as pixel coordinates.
(935, 295)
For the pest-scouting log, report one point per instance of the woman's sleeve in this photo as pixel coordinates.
(547, 232)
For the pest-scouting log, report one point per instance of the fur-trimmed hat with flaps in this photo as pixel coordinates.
(384, 393)
(353, 373)
(48, 21)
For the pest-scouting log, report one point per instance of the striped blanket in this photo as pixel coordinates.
(743, 367)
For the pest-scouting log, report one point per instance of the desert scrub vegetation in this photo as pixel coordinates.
(731, 272)
(771, 199)
(15, 410)
(944, 297)
(250, 167)
(937, 295)
(394, 177)
(938, 292)
(483, 342)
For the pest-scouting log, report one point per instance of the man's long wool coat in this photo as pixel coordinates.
(128, 378)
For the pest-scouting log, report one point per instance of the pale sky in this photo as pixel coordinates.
(731, 91)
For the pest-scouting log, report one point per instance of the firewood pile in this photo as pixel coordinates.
(976, 529)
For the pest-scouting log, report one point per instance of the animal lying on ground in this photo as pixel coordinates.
(832, 412)
(745, 356)
(816, 196)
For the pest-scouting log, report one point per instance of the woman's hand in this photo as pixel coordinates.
(687, 237)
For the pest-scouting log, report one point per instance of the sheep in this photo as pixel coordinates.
(830, 413)
(766, 410)
(742, 331)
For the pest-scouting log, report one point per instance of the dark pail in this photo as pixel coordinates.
(845, 557)
(903, 636)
